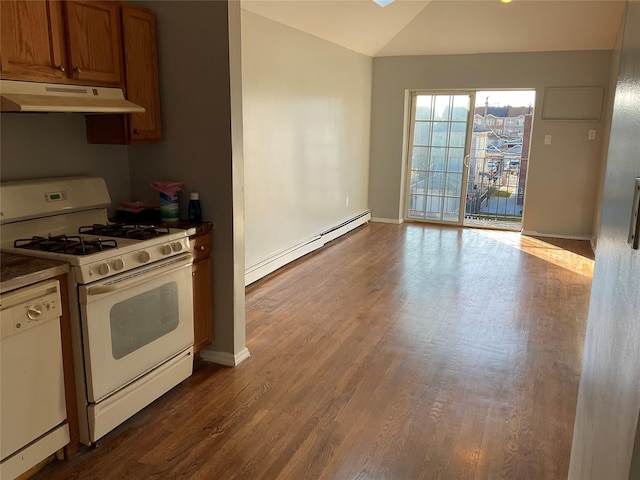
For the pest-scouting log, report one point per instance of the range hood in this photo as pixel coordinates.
(17, 96)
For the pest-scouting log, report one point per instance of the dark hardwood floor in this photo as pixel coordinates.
(396, 352)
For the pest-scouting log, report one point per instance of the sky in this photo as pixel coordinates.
(503, 98)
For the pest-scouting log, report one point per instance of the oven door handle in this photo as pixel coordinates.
(102, 289)
(128, 282)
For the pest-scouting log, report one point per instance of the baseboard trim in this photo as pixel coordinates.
(395, 221)
(225, 358)
(278, 260)
(533, 233)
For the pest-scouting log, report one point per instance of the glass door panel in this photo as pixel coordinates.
(439, 130)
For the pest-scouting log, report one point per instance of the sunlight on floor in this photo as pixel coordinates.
(544, 250)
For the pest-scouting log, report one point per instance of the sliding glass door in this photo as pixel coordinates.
(440, 129)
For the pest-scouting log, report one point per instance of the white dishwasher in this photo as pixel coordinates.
(32, 413)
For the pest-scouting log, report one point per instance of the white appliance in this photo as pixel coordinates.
(131, 295)
(33, 417)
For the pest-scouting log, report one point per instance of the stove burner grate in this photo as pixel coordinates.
(122, 230)
(71, 245)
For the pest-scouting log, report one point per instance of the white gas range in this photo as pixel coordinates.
(130, 289)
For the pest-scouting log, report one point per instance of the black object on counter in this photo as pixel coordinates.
(195, 210)
(144, 217)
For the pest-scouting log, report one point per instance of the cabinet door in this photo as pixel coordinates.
(200, 246)
(95, 43)
(32, 40)
(141, 72)
(202, 304)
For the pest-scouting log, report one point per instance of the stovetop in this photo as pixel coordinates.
(102, 250)
(90, 239)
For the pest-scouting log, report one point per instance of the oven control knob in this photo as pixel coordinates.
(166, 249)
(144, 256)
(176, 246)
(118, 264)
(103, 268)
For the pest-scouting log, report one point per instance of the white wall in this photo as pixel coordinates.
(609, 395)
(306, 135)
(40, 145)
(562, 179)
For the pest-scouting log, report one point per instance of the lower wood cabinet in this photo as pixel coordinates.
(202, 291)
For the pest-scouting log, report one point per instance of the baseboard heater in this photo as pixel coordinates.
(272, 263)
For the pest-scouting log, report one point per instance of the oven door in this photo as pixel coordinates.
(133, 322)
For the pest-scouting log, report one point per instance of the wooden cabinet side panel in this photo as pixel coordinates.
(32, 41)
(94, 40)
(202, 304)
(141, 71)
(106, 129)
(69, 376)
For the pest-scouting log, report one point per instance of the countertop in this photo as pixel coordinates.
(17, 271)
(194, 228)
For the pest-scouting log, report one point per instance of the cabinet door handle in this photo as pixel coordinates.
(61, 68)
(77, 70)
(202, 248)
(136, 132)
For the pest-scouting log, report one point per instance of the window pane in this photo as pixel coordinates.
(454, 182)
(422, 133)
(420, 158)
(418, 182)
(438, 159)
(416, 206)
(450, 210)
(460, 107)
(456, 158)
(440, 135)
(442, 110)
(423, 107)
(436, 183)
(451, 207)
(433, 207)
(458, 134)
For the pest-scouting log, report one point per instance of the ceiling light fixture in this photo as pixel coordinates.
(383, 3)
(506, 1)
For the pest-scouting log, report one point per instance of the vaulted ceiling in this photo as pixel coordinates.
(439, 27)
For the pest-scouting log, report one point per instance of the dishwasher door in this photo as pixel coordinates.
(32, 382)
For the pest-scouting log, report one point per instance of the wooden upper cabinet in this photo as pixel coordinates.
(73, 42)
(141, 85)
(32, 41)
(141, 73)
(94, 41)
